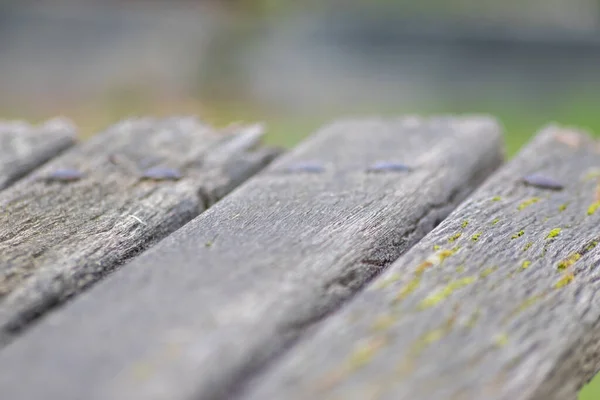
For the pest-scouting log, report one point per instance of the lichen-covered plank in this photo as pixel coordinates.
(212, 303)
(87, 211)
(498, 302)
(24, 147)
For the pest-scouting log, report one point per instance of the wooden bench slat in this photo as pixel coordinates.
(58, 236)
(24, 147)
(498, 302)
(213, 302)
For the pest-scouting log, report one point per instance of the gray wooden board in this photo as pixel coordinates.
(209, 305)
(57, 237)
(500, 301)
(24, 147)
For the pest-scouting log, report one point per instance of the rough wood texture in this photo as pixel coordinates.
(58, 235)
(24, 147)
(208, 306)
(498, 302)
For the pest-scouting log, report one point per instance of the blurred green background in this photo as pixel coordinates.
(299, 64)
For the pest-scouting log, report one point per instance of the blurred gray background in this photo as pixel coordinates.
(299, 63)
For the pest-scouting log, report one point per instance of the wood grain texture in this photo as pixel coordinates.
(24, 147)
(58, 237)
(212, 303)
(500, 301)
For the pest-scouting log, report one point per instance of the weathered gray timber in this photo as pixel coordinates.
(500, 301)
(24, 147)
(212, 303)
(87, 211)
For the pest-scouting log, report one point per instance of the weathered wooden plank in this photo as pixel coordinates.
(86, 212)
(498, 302)
(24, 147)
(209, 305)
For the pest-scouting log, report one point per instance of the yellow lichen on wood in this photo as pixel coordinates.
(408, 289)
(364, 353)
(527, 203)
(486, 272)
(442, 294)
(443, 254)
(593, 208)
(567, 262)
(564, 280)
(518, 234)
(454, 237)
(423, 266)
(553, 233)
